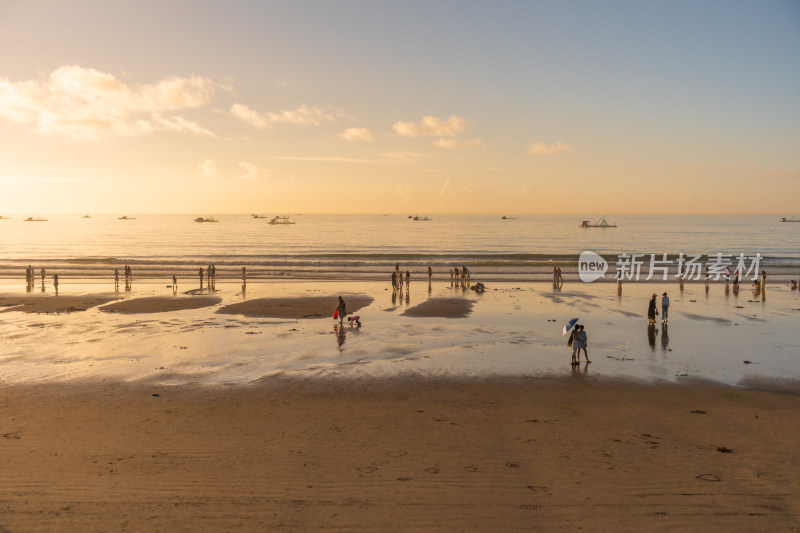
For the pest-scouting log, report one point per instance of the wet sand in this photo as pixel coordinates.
(441, 308)
(48, 303)
(161, 304)
(406, 454)
(296, 307)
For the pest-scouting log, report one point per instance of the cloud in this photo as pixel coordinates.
(324, 159)
(450, 144)
(208, 169)
(357, 134)
(301, 116)
(544, 149)
(252, 172)
(86, 104)
(431, 127)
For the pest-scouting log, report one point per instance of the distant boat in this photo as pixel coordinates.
(783, 219)
(281, 220)
(37, 219)
(507, 218)
(259, 216)
(599, 223)
(420, 218)
(126, 217)
(86, 216)
(207, 219)
(4, 218)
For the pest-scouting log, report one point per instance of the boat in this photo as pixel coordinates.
(507, 218)
(599, 223)
(126, 217)
(36, 219)
(420, 218)
(4, 218)
(259, 216)
(281, 220)
(783, 219)
(86, 216)
(207, 219)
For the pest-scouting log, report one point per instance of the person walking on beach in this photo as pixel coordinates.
(341, 309)
(174, 283)
(116, 279)
(664, 307)
(408, 279)
(43, 273)
(200, 272)
(430, 273)
(763, 279)
(574, 343)
(244, 276)
(394, 281)
(651, 310)
(55, 282)
(582, 340)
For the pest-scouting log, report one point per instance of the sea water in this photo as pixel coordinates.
(367, 247)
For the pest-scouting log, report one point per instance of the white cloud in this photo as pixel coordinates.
(431, 127)
(357, 134)
(301, 116)
(450, 144)
(208, 169)
(544, 149)
(86, 104)
(252, 172)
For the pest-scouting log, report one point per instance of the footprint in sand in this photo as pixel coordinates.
(708, 477)
(399, 453)
(471, 468)
(366, 469)
(432, 470)
(405, 478)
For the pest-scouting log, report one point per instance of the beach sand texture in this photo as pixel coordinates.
(409, 454)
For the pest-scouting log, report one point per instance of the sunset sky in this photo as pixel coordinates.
(399, 107)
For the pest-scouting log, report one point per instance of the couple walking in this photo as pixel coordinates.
(578, 341)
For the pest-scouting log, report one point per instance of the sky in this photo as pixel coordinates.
(409, 107)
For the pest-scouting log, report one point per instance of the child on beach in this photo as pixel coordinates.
(354, 321)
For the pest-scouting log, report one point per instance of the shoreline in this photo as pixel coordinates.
(407, 454)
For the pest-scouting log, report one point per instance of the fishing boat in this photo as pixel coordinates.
(258, 216)
(35, 219)
(507, 218)
(4, 218)
(207, 219)
(790, 219)
(126, 217)
(599, 223)
(421, 218)
(281, 220)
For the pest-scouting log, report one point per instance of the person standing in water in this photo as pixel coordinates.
(430, 273)
(55, 282)
(664, 307)
(652, 311)
(341, 309)
(582, 339)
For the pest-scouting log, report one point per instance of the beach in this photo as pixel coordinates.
(406, 454)
(251, 408)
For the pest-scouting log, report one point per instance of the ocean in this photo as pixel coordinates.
(367, 247)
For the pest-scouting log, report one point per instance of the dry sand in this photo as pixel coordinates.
(47, 303)
(161, 304)
(398, 455)
(442, 308)
(296, 307)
